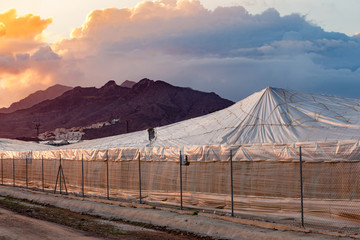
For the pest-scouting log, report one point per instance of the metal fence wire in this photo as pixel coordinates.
(307, 193)
(332, 195)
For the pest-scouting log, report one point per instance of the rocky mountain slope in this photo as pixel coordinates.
(146, 104)
(37, 97)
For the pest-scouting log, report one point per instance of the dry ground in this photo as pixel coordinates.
(110, 220)
(21, 219)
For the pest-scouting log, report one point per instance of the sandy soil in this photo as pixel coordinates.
(21, 226)
(201, 224)
(15, 226)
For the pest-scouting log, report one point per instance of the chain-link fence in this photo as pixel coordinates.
(331, 191)
(318, 194)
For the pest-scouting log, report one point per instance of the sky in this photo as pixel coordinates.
(231, 47)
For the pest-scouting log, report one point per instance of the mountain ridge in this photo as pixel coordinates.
(147, 104)
(37, 97)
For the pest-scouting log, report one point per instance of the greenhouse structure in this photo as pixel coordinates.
(251, 149)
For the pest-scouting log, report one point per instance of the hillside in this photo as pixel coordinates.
(37, 97)
(147, 104)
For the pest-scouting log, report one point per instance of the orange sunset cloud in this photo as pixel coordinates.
(20, 34)
(22, 51)
(26, 27)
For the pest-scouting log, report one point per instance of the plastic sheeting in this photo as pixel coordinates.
(271, 116)
(261, 188)
(251, 178)
(311, 152)
(21, 146)
(268, 125)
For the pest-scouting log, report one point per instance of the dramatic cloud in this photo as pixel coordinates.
(227, 50)
(26, 62)
(25, 27)
(20, 33)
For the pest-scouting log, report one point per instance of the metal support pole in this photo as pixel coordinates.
(181, 198)
(107, 174)
(42, 172)
(62, 172)
(26, 171)
(232, 187)
(82, 175)
(13, 172)
(139, 179)
(57, 177)
(2, 170)
(60, 168)
(301, 187)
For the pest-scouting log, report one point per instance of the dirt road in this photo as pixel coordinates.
(16, 226)
(172, 224)
(22, 219)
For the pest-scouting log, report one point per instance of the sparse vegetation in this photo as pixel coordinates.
(195, 212)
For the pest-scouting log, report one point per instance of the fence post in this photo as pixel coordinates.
(107, 173)
(42, 172)
(139, 178)
(62, 172)
(301, 189)
(2, 170)
(60, 168)
(26, 171)
(60, 175)
(232, 187)
(82, 175)
(13, 172)
(181, 199)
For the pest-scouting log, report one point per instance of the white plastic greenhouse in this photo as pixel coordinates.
(261, 134)
(276, 120)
